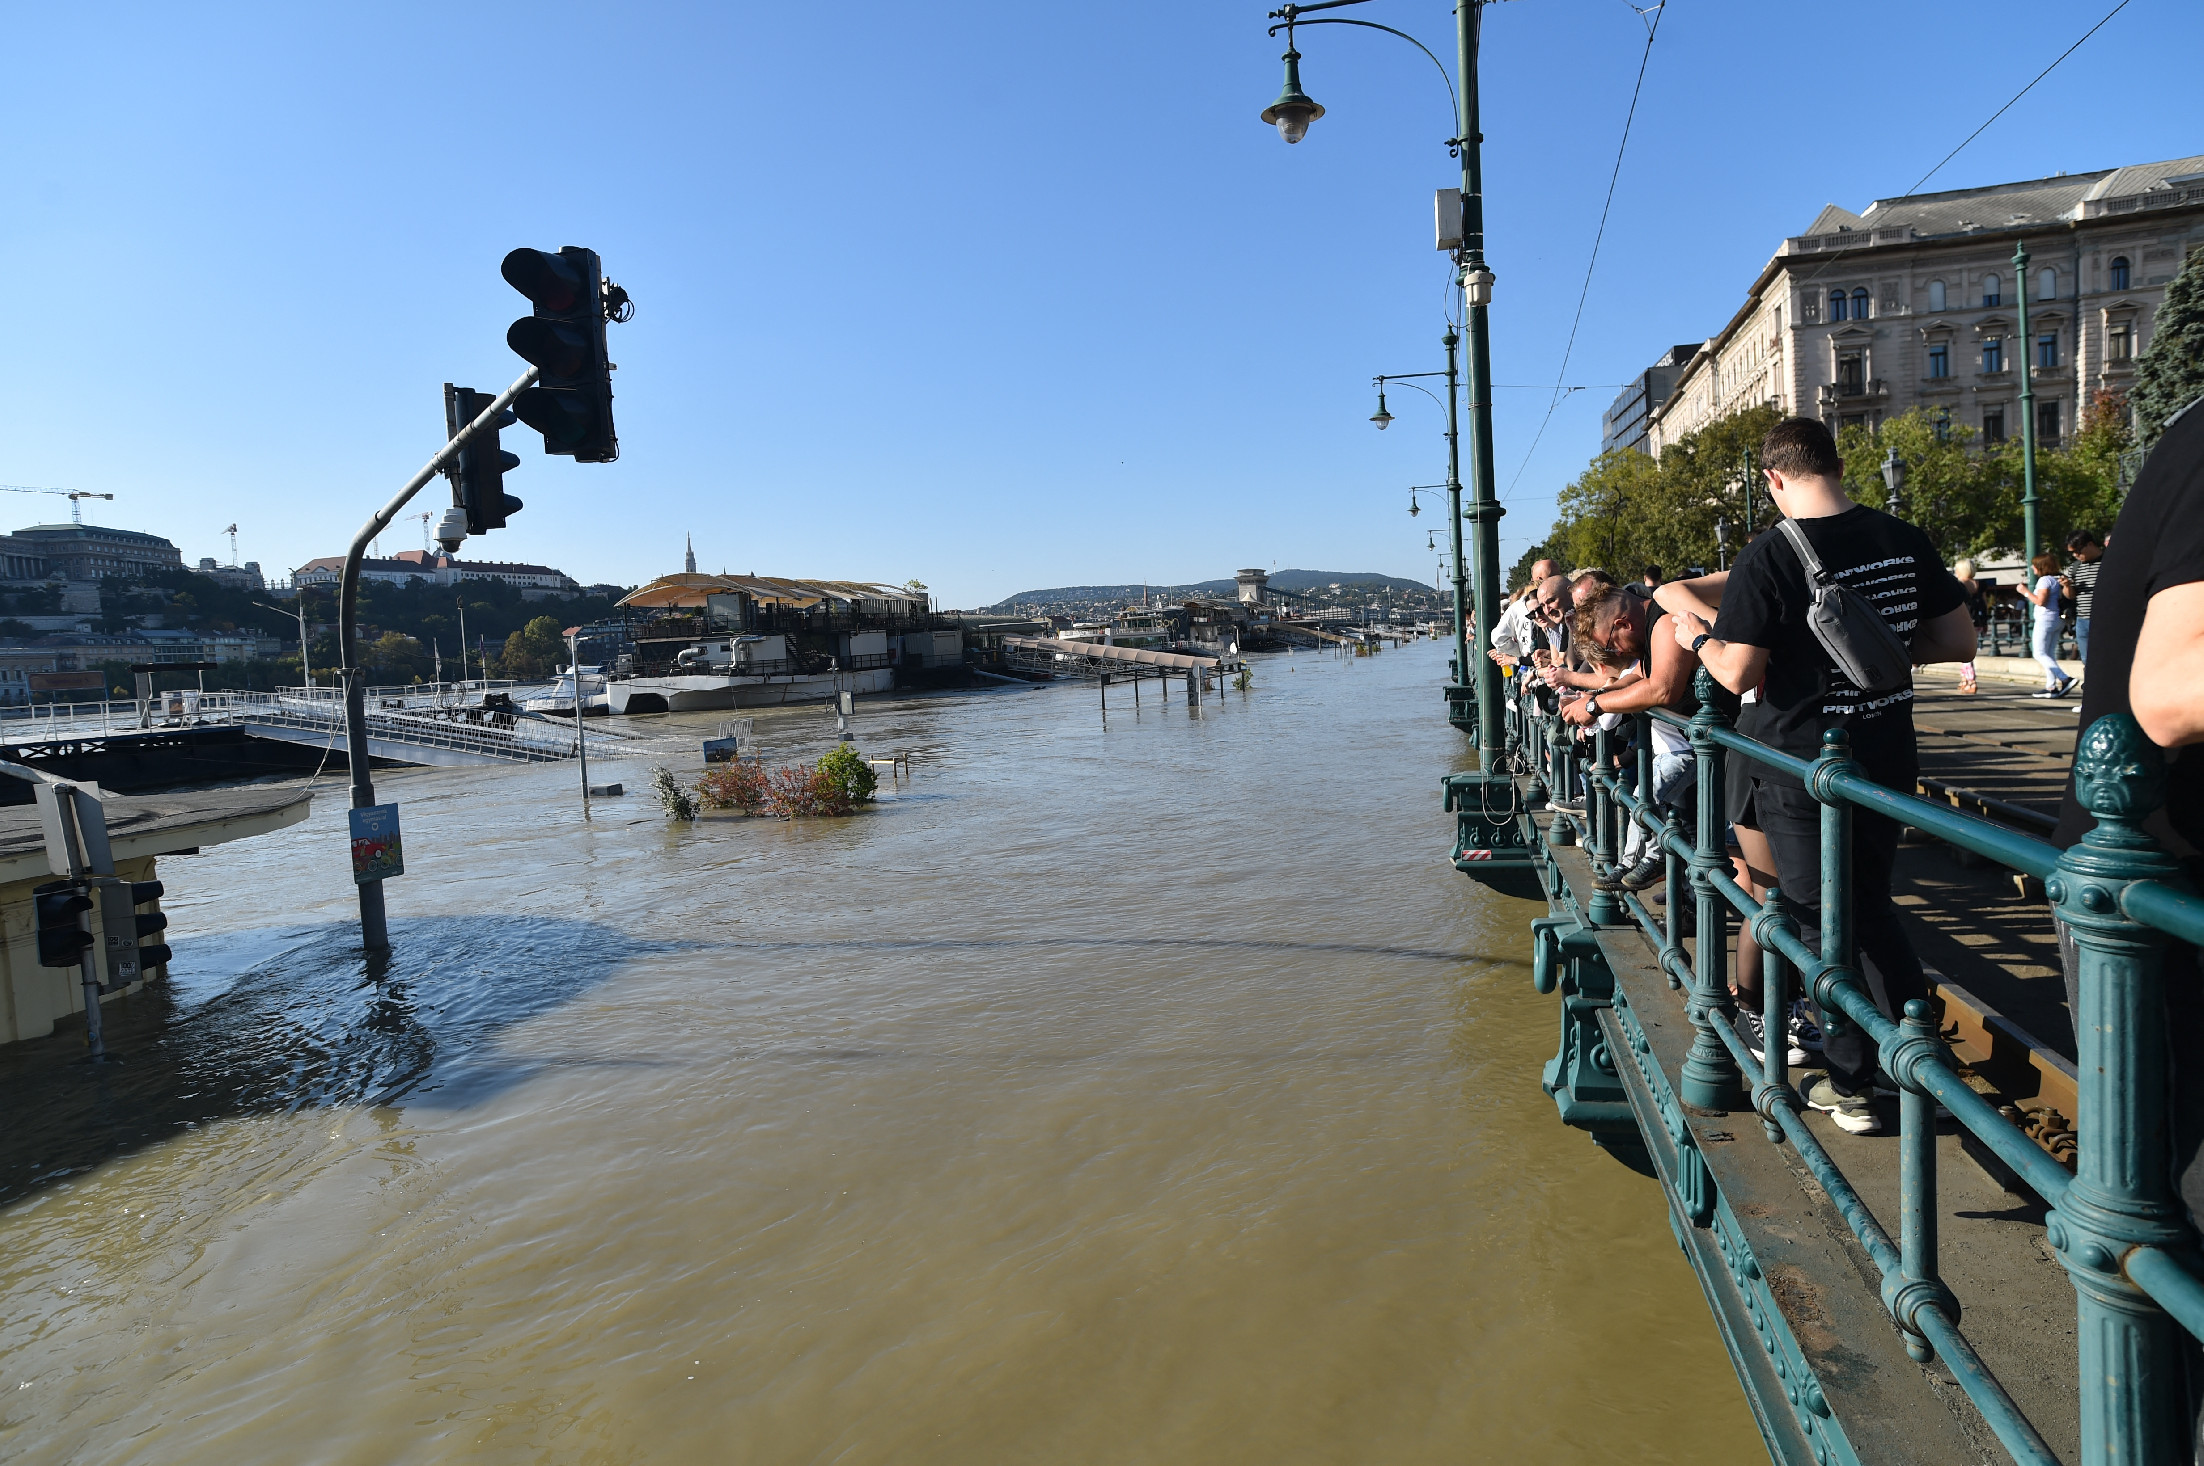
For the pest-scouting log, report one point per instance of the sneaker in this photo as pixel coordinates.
(1851, 1112)
(2045, 692)
(1753, 1029)
(1576, 806)
(1644, 873)
(1805, 1032)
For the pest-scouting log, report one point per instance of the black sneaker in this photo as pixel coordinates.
(1753, 1029)
(1644, 873)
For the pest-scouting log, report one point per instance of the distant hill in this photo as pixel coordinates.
(1292, 580)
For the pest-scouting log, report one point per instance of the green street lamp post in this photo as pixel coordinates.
(1453, 487)
(1474, 694)
(2027, 405)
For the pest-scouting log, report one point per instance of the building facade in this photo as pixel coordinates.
(1912, 303)
(237, 577)
(1629, 420)
(92, 552)
(408, 566)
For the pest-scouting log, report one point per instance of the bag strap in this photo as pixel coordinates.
(1814, 573)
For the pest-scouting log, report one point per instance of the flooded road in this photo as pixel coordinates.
(1148, 1094)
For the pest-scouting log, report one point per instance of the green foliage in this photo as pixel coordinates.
(536, 650)
(850, 776)
(395, 657)
(2170, 373)
(679, 803)
(1627, 511)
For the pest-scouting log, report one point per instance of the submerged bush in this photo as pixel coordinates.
(839, 783)
(679, 802)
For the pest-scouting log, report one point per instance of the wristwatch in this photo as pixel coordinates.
(1591, 704)
(1700, 640)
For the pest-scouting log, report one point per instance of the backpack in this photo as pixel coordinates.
(1852, 631)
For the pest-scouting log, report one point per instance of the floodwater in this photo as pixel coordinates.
(1148, 1093)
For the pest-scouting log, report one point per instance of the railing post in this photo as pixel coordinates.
(1563, 785)
(1605, 907)
(1839, 962)
(1709, 1074)
(1775, 1014)
(2133, 1390)
(1918, 1281)
(1672, 877)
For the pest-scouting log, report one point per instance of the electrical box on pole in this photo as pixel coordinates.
(571, 404)
(1447, 212)
(482, 463)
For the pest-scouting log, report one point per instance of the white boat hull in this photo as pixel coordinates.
(712, 692)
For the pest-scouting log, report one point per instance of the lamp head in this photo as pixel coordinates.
(1295, 109)
(1894, 471)
(1381, 417)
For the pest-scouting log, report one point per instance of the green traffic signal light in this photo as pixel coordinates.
(571, 403)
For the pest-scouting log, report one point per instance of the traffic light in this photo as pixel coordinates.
(483, 463)
(571, 404)
(61, 935)
(124, 931)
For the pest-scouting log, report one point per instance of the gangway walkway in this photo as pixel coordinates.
(1057, 658)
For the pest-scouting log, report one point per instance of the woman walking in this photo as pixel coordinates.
(2045, 594)
(1977, 609)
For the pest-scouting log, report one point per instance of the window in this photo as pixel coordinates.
(1993, 425)
(1942, 426)
(2047, 285)
(1939, 362)
(1936, 295)
(1992, 290)
(2120, 342)
(1851, 374)
(2047, 350)
(2047, 422)
(1836, 305)
(2119, 272)
(1859, 305)
(1993, 355)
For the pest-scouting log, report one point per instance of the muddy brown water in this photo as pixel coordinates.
(1148, 1093)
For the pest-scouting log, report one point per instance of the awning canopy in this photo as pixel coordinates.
(689, 590)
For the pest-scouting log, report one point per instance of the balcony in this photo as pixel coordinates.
(1853, 391)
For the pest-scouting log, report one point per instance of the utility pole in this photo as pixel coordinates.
(1484, 507)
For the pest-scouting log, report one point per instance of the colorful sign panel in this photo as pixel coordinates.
(376, 853)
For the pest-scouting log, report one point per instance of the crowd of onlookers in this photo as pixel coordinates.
(1595, 651)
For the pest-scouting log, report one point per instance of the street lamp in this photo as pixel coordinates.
(1295, 109)
(1894, 478)
(1292, 113)
(1381, 417)
(1453, 487)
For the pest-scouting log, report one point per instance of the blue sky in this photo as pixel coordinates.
(989, 295)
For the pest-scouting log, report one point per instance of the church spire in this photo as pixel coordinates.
(689, 561)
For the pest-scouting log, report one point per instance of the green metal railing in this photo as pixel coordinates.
(2116, 1223)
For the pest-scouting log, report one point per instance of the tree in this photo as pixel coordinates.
(536, 650)
(2170, 373)
(394, 657)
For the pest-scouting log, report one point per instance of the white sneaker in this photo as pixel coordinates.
(1851, 1113)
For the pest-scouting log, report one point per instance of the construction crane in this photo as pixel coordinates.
(232, 533)
(76, 512)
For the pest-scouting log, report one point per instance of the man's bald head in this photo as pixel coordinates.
(1544, 570)
(1553, 599)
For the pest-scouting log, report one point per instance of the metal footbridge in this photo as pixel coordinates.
(437, 724)
(1053, 657)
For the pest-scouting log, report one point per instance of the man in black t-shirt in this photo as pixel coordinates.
(2147, 660)
(2082, 576)
(1762, 641)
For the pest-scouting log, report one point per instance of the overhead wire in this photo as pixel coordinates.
(1560, 393)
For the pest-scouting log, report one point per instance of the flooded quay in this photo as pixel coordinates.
(1148, 1090)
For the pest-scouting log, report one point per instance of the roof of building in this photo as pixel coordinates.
(1997, 206)
(85, 531)
(423, 562)
(690, 589)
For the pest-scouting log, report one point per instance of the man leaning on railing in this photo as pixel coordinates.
(1762, 640)
(2146, 657)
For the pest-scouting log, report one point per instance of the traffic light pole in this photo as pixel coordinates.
(374, 929)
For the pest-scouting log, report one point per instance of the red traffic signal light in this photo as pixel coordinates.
(571, 403)
(62, 937)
